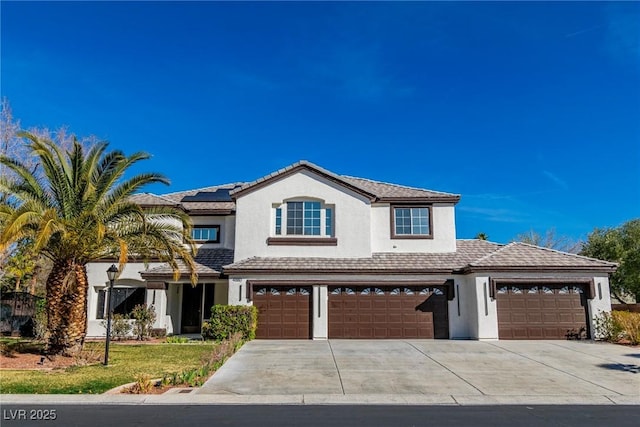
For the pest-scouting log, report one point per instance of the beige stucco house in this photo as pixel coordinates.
(330, 256)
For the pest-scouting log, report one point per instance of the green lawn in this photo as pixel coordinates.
(126, 361)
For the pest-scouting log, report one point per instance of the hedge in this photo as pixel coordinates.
(229, 319)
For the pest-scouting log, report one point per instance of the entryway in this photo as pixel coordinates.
(196, 307)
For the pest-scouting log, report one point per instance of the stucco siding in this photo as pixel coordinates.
(254, 219)
(444, 231)
(227, 230)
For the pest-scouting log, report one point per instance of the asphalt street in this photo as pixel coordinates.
(312, 416)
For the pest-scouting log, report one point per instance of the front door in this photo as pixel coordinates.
(191, 309)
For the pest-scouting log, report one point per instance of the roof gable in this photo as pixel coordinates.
(201, 200)
(293, 169)
(373, 190)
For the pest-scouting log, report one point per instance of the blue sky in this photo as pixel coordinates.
(530, 111)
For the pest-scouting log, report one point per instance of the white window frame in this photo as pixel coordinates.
(283, 219)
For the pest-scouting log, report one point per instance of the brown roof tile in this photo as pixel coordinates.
(467, 250)
(523, 255)
(209, 262)
(471, 255)
(384, 190)
(375, 190)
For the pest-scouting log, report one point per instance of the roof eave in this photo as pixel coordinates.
(426, 199)
(214, 212)
(274, 271)
(169, 276)
(539, 269)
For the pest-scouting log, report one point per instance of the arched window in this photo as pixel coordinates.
(304, 218)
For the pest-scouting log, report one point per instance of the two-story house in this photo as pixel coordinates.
(323, 255)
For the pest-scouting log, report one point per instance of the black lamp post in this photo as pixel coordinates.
(111, 274)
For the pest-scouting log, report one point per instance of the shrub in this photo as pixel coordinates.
(120, 326)
(229, 319)
(606, 328)
(617, 326)
(158, 332)
(143, 318)
(142, 385)
(197, 376)
(177, 340)
(629, 325)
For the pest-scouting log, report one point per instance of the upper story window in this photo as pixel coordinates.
(411, 222)
(304, 218)
(206, 233)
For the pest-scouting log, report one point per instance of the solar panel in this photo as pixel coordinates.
(220, 195)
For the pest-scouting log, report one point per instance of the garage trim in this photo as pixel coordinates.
(448, 283)
(590, 289)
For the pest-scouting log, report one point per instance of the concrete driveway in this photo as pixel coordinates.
(432, 371)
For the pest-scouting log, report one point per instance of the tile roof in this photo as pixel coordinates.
(384, 190)
(175, 199)
(376, 190)
(209, 262)
(523, 255)
(471, 255)
(467, 251)
(149, 199)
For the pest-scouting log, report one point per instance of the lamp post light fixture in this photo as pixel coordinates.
(111, 274)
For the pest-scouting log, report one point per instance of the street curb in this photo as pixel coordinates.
(317, 399)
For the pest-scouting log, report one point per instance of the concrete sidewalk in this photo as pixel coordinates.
(404, 372)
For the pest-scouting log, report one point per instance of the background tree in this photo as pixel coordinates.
(482, 236)
(621, 245)
(12, 146)
(550, 239)
(76, 210)
(20, 267)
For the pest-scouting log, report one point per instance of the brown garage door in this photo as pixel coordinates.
(283, 312)
(541, 311)
(388, 312)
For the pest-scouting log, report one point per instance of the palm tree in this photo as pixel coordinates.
(76, 208)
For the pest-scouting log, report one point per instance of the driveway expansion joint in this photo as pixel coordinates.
(445, 367)
(554, 368)
(336, 365)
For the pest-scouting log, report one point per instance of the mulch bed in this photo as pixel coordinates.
(30, 361)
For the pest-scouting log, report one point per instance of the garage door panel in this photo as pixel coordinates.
(529, 311)
(533, 304)
(567, 318)
(365, 318)
(517, 304)
(394, 304)
(535, 333)
(534, 317)
(394, 318)
(379, 318)
(519, 317)
(283, 312)
(388, 312)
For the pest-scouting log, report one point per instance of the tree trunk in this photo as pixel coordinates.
(33, 284)
(17, 284)
(66, 308)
